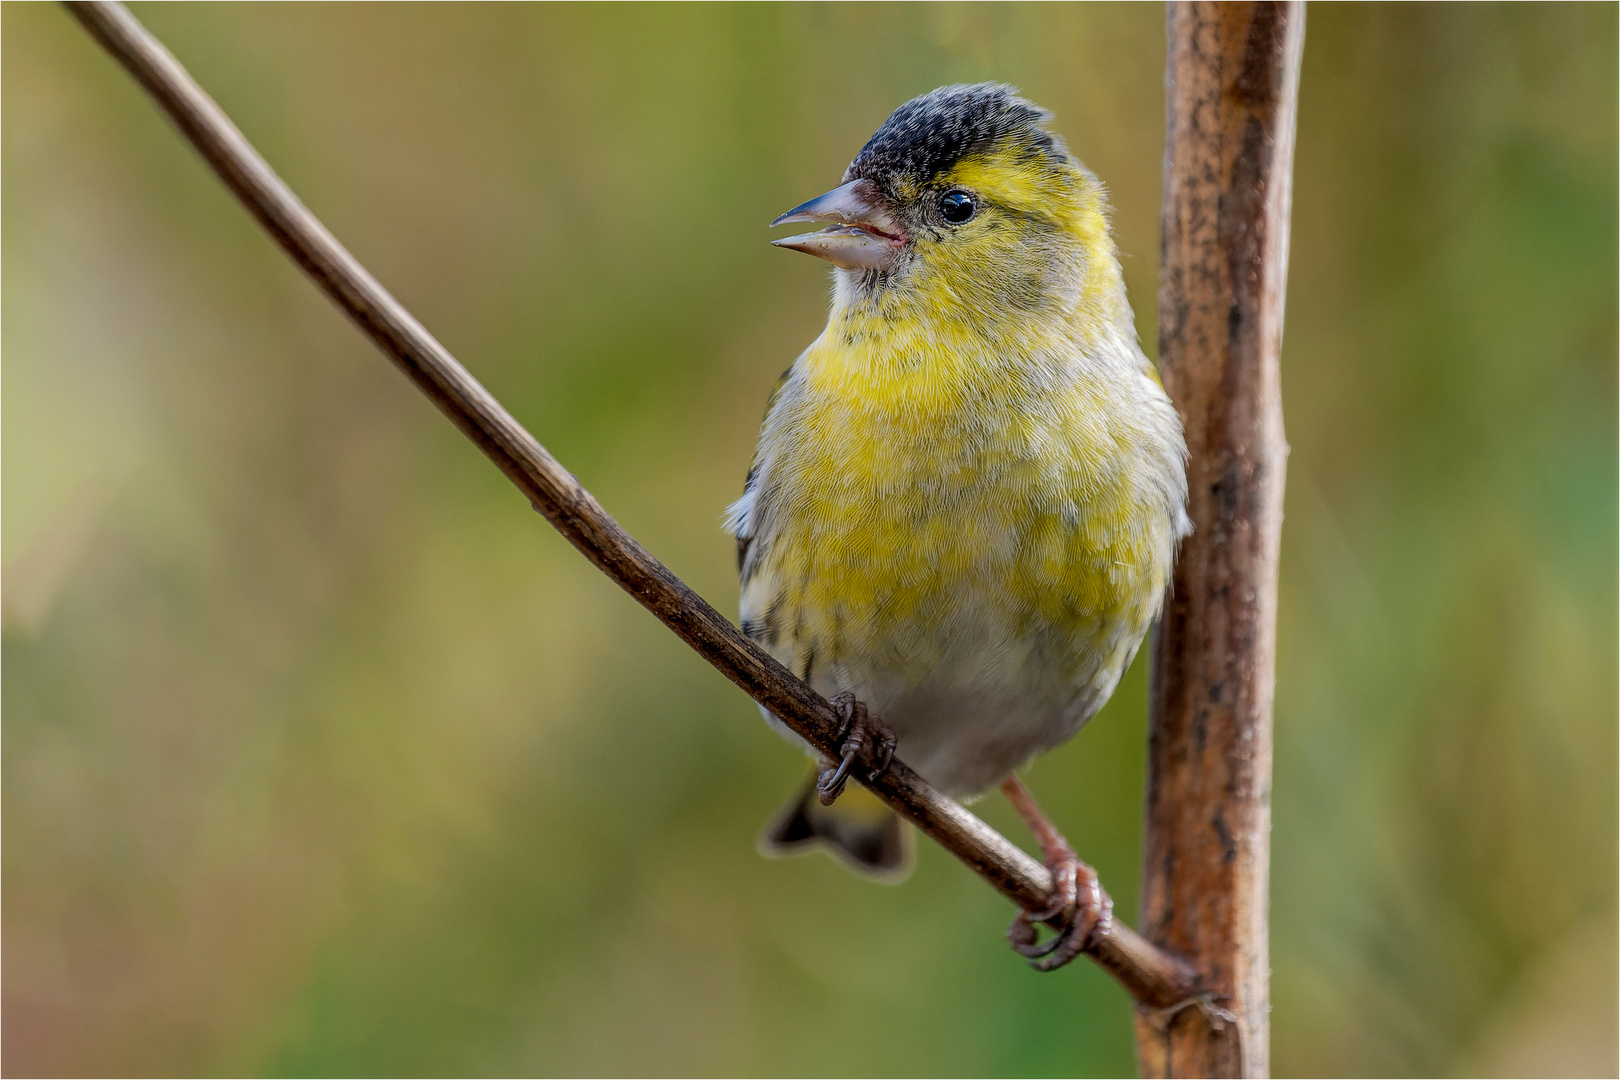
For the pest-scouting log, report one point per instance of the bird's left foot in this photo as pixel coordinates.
(1079, 911)
(865, 738)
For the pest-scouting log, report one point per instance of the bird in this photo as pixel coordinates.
(968, 492)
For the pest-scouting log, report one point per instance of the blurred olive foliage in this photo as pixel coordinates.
(324, 755)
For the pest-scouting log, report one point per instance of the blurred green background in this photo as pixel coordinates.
(323, 754)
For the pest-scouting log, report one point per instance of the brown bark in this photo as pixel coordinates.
(1150, 974)
(1232, 86)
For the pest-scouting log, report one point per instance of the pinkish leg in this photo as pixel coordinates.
(1079, 907)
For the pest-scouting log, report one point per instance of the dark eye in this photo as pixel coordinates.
(957, 206)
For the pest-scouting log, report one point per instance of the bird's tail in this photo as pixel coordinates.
(858, 829)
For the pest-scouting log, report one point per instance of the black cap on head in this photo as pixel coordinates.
(929, 134)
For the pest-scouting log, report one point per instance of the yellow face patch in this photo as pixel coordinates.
(1038, 241)
(1013, 181)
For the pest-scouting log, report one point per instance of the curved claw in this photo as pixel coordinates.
(864, 737)
(1024, 938)
(1085, 910)
(1021, 934)
(1072, 939)
(884, 754)
(830, 784)
(1062, 949)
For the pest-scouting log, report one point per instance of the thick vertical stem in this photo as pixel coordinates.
(1233, 78)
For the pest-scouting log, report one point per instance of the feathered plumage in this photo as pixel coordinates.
(968, 491)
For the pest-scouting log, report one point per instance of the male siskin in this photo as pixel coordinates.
(968, 491)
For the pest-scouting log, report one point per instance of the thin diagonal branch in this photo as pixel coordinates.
(1152, 975)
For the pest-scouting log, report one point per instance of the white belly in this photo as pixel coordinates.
(991, 702)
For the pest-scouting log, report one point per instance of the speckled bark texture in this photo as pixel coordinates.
(1232, 85)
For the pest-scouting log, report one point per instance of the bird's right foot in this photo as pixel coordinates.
(865, 738)
(1078, 911)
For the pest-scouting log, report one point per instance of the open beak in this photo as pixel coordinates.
(865, 236)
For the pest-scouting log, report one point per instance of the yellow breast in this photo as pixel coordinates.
(917, 478)
(968, 491)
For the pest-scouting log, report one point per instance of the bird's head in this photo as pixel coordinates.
(964, 199)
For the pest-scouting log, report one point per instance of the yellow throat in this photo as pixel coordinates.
(968, 490)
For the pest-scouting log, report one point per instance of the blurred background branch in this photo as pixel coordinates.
(1154, 977)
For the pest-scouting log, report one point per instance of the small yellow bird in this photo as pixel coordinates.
(969, 490)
